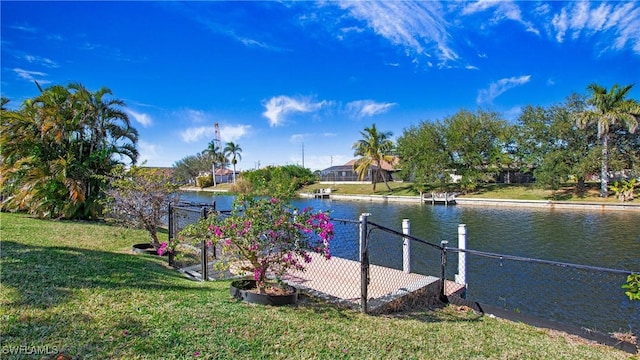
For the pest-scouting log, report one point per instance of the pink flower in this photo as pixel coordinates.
(217, 231)
(163, 248)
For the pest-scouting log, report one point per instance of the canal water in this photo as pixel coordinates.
(588, 298)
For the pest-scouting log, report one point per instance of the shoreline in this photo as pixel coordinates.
(464, 201)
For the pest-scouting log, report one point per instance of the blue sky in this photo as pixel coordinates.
(282, 76)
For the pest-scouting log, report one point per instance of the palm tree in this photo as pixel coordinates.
(213, 150)
(608, 108)
(374, 148)
(233, 150)
(59, 147)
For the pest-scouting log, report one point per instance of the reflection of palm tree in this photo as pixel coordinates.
(607, 109)
(233, 150)
(374, 148)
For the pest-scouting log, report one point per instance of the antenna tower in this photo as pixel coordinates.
(216, 136)
(218, 144)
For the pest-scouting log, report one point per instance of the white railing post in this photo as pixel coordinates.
(406, 247)
(461, 277)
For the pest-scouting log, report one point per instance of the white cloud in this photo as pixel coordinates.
(148, 153)
(196, 116)
(499, 87)
(367, 108)
(561, 23)
(233, 133)
(141, 118)
(277, 108)
(194, 134)
(228, 133)
(618, 22)
(25, 28)
(41, 61)
(419, 27)
(501, 10)
(31, 76)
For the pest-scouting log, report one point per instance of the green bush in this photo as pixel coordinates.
(204, 181)
(279, 181)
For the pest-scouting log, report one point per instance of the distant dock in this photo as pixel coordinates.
(439, 198)
(322, 193)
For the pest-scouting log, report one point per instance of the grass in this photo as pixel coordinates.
(488, 191)
(74, 289)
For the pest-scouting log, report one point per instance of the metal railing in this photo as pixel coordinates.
(375, 265)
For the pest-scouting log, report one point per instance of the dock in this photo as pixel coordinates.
(338, 281)
(439, 198)
(322, 193)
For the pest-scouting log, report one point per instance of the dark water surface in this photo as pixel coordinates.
(587, 298)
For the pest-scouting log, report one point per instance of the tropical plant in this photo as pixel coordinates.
(58, 148)
(264, 237)
(624, 189)
(608, 108)
(633, 286)
(233, 150)
(213, 150)
(278, 181)
(139, 197)
(187, 169)
(374, 148)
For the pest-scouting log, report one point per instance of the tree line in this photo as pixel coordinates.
(582, 136)
(60, 149)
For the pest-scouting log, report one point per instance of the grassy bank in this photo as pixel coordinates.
(487, 191)
(75, 288)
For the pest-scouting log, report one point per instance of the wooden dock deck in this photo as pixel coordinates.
(439, 198)
(338, 280)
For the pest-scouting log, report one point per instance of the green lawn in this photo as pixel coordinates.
(75, 288)
(488, 191)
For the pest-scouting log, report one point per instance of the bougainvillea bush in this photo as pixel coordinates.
(264, 237)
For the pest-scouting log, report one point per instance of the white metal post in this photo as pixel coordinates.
(461, 277)
(406, 246)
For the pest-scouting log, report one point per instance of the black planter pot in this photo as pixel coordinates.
(145, 248)
(243, 290)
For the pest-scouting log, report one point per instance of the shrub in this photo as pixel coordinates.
(204, 181)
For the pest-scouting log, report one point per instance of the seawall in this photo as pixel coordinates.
(462, 201)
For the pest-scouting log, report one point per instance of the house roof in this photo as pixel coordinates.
(349, 166)
(389, 166)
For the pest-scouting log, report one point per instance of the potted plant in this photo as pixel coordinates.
(264, 238)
